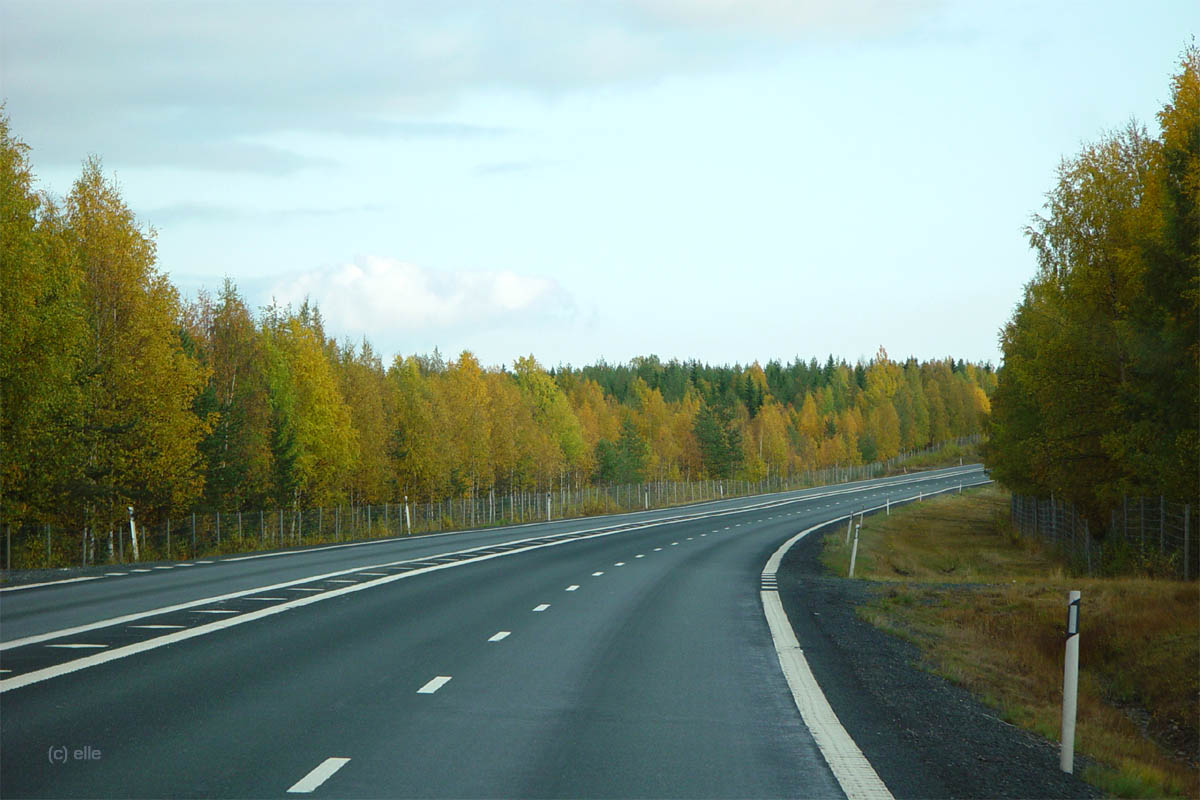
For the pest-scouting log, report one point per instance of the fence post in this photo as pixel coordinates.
(1142, 521)
(1087, 546)
(1162, 524)
(1187, 556)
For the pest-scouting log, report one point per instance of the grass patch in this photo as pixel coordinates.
(988, 607)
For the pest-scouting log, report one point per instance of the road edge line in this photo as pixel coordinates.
(850, 767)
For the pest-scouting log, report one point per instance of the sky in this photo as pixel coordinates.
(721, 180)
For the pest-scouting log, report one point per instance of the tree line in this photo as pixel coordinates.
(116, 391)
(1099, 393)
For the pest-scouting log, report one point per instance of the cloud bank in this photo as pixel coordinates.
(389, 300)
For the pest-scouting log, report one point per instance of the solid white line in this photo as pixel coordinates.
(322, 773)
(854, 773)
(541, 607)
(498, 635)
(53, 583)
(434, 685)
(572, 587)
(159, 627)
(597, 574)
(77, 646)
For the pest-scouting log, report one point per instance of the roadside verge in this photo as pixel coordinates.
(923, 736)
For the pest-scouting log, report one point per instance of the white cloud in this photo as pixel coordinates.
(383, 297)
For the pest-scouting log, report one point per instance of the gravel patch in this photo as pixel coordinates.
(926, 737)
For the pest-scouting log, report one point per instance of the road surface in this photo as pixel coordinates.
(619, 656)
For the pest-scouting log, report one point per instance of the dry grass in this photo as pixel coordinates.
(988, 609)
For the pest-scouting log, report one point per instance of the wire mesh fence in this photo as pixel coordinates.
(1151, 535)
(199, 535)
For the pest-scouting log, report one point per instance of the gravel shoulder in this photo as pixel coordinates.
(925, 737)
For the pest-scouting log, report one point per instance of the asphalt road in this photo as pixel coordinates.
(621, 656)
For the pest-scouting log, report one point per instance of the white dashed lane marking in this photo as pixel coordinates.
(498, 635)
(79, 646)
(619, 564)
(572, 587)
(541, 607)
(597, 574)
(434, 685)
(323, 772)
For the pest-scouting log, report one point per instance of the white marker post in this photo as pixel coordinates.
(849, 527)
(854, 552)
(1070, 683)
(407, 517)
(547, 506)
(888, 503)
(133, 534)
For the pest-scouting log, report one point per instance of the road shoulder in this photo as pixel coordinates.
(924, 736)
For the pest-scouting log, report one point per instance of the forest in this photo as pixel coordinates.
(115, 391)
(1099, 394)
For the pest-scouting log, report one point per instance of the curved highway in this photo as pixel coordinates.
(620, 656)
